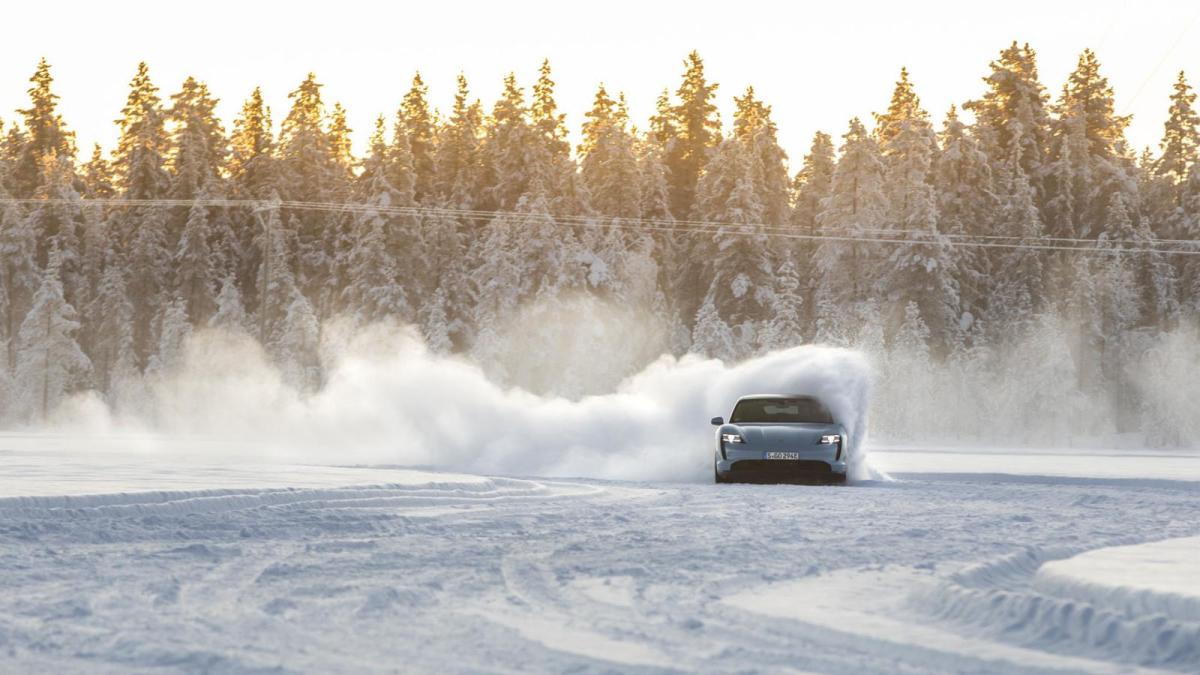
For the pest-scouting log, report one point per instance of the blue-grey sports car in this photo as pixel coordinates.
(780, 438)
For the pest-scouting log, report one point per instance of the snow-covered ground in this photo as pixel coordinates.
(122, 560)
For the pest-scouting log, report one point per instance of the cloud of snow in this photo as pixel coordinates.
(388, 401)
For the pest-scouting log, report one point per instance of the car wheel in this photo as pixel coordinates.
(717, 478)
(838, 479)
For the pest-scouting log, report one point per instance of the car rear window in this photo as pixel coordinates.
(786, 410)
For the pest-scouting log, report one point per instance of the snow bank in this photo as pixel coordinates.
(1161, 577)
(387, 400)
(1038, 598)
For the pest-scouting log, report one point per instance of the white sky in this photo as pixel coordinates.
(817, 64)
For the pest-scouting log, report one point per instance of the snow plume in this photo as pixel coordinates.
(387, 400)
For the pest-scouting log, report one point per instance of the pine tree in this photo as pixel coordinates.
(140, 161)
(1181, 134)
(98, 176)
(231, 313)
(198, 145)
(195, 269)
(609, 165)
(857, 206)
(45, 134)
(966, 204)
(515, 163)
(812, 182)
(19, 277)
(737, 270)
(753, 127)
(173, 336)
(312, 168)
(712, 337)
(904, 107)
(786, 325)
(110, 327)
(697, 128)
(372, 291)
(50, 362)
(252, 147)
(457, 163)
(1012, 114)
(417, 124)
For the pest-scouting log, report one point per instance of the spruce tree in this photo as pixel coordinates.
(754, 128)
(457, 163)
(50, 363)
(812, 182)
(45, 134)
(697, 126)
(110, 327)
(1012, 113)
(98, 176)
(966, 204)
(252, 147)
(416, 122)
(198, 144)
(141, 157)
(19, 276)
(1181, 134)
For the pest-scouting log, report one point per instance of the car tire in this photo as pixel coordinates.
(717, 477)
(838, 479)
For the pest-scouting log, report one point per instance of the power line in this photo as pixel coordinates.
(685, 227)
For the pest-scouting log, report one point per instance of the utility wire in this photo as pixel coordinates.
(685, 227)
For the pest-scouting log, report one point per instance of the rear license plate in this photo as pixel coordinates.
(783, 455)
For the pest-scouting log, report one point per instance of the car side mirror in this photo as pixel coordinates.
(718, 421)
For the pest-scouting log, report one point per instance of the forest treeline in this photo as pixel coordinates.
(924, 242)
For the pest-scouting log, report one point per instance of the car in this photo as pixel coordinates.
(777, 438)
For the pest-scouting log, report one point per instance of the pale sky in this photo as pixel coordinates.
(817, 64)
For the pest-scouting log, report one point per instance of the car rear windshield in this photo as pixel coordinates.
(786, 410)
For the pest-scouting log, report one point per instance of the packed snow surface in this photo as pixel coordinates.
(171, 563)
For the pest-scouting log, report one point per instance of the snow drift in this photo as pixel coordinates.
(387, 400)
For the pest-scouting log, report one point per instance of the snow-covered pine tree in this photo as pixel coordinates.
(711, 336)
(786, 326)
(1012, 114)
(857, 206)
(372, 291)
(231, 313)
(50, 363)
(811, 185)
(457, 161)
(415, 122)
(142, 149)
(195, 265)
(45, 135)
(19, 276)
(435, 323)
(608, 163)
(966, 203)
(512, 158)
(1181, 134)
(97, 175)
(1017, 294)
(695, 128)
(173, 335)
(921, 270)
(754, 128)
(251, 152)
(198, 145)
(310, 169)
(736, 275)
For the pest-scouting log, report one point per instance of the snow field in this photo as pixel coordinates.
(437, 572)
